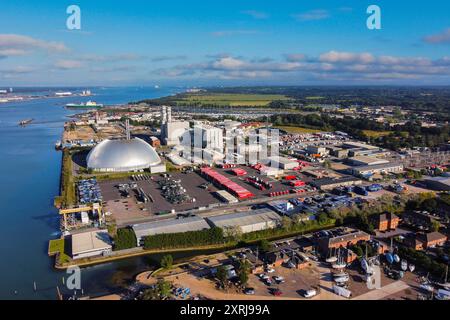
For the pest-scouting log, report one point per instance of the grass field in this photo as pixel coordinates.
(297, 129)
(376, 134)
(232, 100)
(57, 246)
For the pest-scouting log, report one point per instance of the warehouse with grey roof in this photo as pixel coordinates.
(255, 220)
(168, 226)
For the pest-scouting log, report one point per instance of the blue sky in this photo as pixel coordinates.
(245, 42)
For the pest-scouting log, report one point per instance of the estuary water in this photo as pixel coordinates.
(29, 173)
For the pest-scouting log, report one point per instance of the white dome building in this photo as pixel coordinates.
(122, 156)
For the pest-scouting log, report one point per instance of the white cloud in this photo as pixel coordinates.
(329, 65)
(225, 33)
(16, 45)
(68, 64)
(312, 15)
(443, 37)
(346, 57)
(256, 14)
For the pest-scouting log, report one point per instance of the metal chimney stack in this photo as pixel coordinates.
(127, 129)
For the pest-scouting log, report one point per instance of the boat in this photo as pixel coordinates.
(443, 295)
(341, 279)
(411, 267)
(25, 122)
(88, 104)
(339, 265)
(427, 287)
(365, 265)
(331, 259)
(396, 258)
(389, 257)
(342, 291)
(404, 265)
(340, 274)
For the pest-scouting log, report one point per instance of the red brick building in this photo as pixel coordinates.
(423, 241)
(343, 240)
(386, 221)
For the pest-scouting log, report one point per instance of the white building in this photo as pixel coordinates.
(171, 131)
(90, 244)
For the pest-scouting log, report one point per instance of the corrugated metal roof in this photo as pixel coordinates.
(245, 218)
(170, 226)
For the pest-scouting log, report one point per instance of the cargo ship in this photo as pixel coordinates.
(89, 104)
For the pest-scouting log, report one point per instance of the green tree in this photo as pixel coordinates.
(221, 275)
(322, 218)
(124, 239)
(243, 271)
(167, 261)
(164, 288)
(435, 225)
(286, 223)
(264, 245)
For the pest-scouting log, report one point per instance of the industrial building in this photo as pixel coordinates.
(328, 183)
(168, 226)
(90, 244)
(255, 220)
(226, 196)
(122, 156)
(171, 131)
(337, 152)
(281, 162)
(378, 169)
(322, 151)
(209, 136)
(366, 161)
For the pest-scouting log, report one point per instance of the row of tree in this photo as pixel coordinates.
(184, 239)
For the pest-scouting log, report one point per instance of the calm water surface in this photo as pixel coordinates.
(29, 172)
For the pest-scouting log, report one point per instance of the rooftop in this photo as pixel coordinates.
(170, 226)
(90, 241)
(245, 218)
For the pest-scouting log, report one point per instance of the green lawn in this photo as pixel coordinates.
(376, 134)
(227, 99)
(297, 129)
(57, 246)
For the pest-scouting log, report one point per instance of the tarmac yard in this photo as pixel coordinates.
(116, 203)
(296, 282)
(131, 210)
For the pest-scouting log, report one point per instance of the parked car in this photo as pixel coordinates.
(278, 279)
(310, 293)
(249, 291)
(277, 292)
(270, 270)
